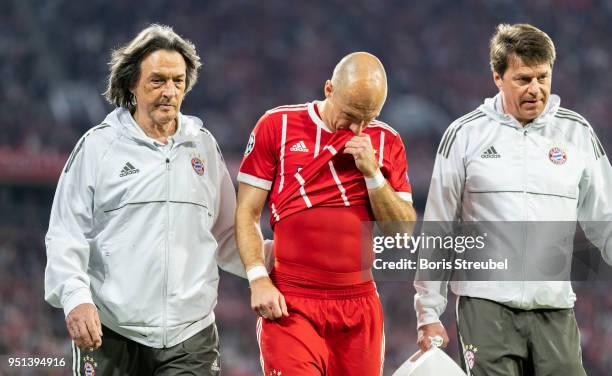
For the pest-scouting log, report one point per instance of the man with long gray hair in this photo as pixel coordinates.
(142, 217)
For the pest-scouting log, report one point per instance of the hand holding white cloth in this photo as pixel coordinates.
(432, 362)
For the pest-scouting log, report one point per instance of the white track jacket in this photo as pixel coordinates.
(490, 168)
(139, 229)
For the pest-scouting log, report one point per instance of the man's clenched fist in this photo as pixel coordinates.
(429, 331)
(84, 327)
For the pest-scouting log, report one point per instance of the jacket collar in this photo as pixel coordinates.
(186, 131)
(492, 107)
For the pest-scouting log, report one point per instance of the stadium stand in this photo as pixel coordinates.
(258, 55)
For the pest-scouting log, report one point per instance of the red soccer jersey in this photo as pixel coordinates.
(286, 140)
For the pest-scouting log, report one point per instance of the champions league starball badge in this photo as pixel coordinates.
(557, 155)
(198, 166)
(251, 145)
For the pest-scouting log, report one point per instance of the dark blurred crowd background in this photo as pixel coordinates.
(258, 55)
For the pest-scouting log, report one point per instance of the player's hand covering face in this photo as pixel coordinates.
(360, 147)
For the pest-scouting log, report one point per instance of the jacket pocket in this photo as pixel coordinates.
(131, 291)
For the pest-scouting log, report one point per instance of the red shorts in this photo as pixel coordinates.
(333, 332)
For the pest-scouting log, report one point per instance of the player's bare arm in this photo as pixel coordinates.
(266, 300)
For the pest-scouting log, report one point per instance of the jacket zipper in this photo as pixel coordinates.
(165, 284)
(525, 216)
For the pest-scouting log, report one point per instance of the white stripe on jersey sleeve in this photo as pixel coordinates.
(254, 181)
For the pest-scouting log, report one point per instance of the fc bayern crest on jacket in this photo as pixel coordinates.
(89, 365)
(198, 165)
(469, 353)
(557, 155)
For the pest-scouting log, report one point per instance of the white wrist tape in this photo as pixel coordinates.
(376, 181)
(256, 272)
